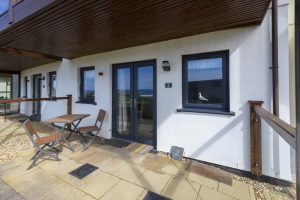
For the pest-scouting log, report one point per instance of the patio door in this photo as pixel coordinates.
(36, 93)
(134, 101)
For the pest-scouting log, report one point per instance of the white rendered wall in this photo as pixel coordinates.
(213, 138)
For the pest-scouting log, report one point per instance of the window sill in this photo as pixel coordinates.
(84, 102)
(208, 111)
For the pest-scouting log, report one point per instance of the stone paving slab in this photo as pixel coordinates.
(7, 193)
(121, 175)
(124, 191)
(180, 188)
(238, 190)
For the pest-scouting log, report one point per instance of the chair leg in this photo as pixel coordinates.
(44, 152)
(34, 155)
(35, 159)
(68, 144)
(55, 156)
(38, 152)
(90, 142)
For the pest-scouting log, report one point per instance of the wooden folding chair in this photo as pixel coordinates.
(92, 131)
(40, 143)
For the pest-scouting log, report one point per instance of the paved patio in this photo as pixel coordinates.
(122, 175)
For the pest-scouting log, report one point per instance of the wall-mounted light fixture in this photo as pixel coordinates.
(166, 66)
(100, 73)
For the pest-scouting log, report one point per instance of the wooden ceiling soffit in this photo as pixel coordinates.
(29, 54)
(75, 28)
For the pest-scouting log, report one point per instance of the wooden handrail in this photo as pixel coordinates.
(285, 130)
(18, 100)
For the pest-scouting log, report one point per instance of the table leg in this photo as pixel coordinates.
(65, 139)
(74, 128)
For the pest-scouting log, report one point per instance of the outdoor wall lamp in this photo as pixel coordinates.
(100, 73)
(166, 66)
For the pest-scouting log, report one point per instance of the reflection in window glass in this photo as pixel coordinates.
(87, 93)
(89, 86)
(123, 101)
(205, 81)
(5, 83)
(52, 84)
(3, 6)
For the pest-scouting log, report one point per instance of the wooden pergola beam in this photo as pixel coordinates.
(29, 53)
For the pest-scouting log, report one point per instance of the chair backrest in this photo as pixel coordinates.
(30, 131)
(100, 118)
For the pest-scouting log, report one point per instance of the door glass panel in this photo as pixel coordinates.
(36, 94)
(144, 104)
(123, 102)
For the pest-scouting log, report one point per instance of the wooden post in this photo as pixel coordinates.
(69, 104)
(275, 66)
(297, 74)
(69, 108)
(255, 139)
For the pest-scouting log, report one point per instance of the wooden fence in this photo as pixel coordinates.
(20, 100)
(285, 130)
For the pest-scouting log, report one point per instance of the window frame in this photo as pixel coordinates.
(50, 76)
(25, 86)
(81, 86)
(225, 80)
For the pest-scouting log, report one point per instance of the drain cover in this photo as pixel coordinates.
(154, 196)
(83, 171)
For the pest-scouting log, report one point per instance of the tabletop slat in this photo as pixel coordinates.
(68, 119)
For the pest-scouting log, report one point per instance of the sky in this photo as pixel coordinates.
(3, 5)
(145, 78)
(205, 69)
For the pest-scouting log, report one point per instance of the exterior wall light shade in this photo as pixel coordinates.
(166, 66)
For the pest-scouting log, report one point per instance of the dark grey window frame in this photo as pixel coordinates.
(81, 87)
(25, 87)
(206, 108)
(50, 75)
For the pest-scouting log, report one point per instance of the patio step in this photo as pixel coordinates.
(211, 172)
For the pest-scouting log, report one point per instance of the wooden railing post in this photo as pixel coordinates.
(69, 104)
(69, 108)
(255, 139)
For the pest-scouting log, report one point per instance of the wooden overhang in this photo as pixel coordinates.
(74, 28)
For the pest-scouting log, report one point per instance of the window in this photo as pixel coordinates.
(25, 87)
(87, 85)
(52, 84)
(5, 87)
(206, 82)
